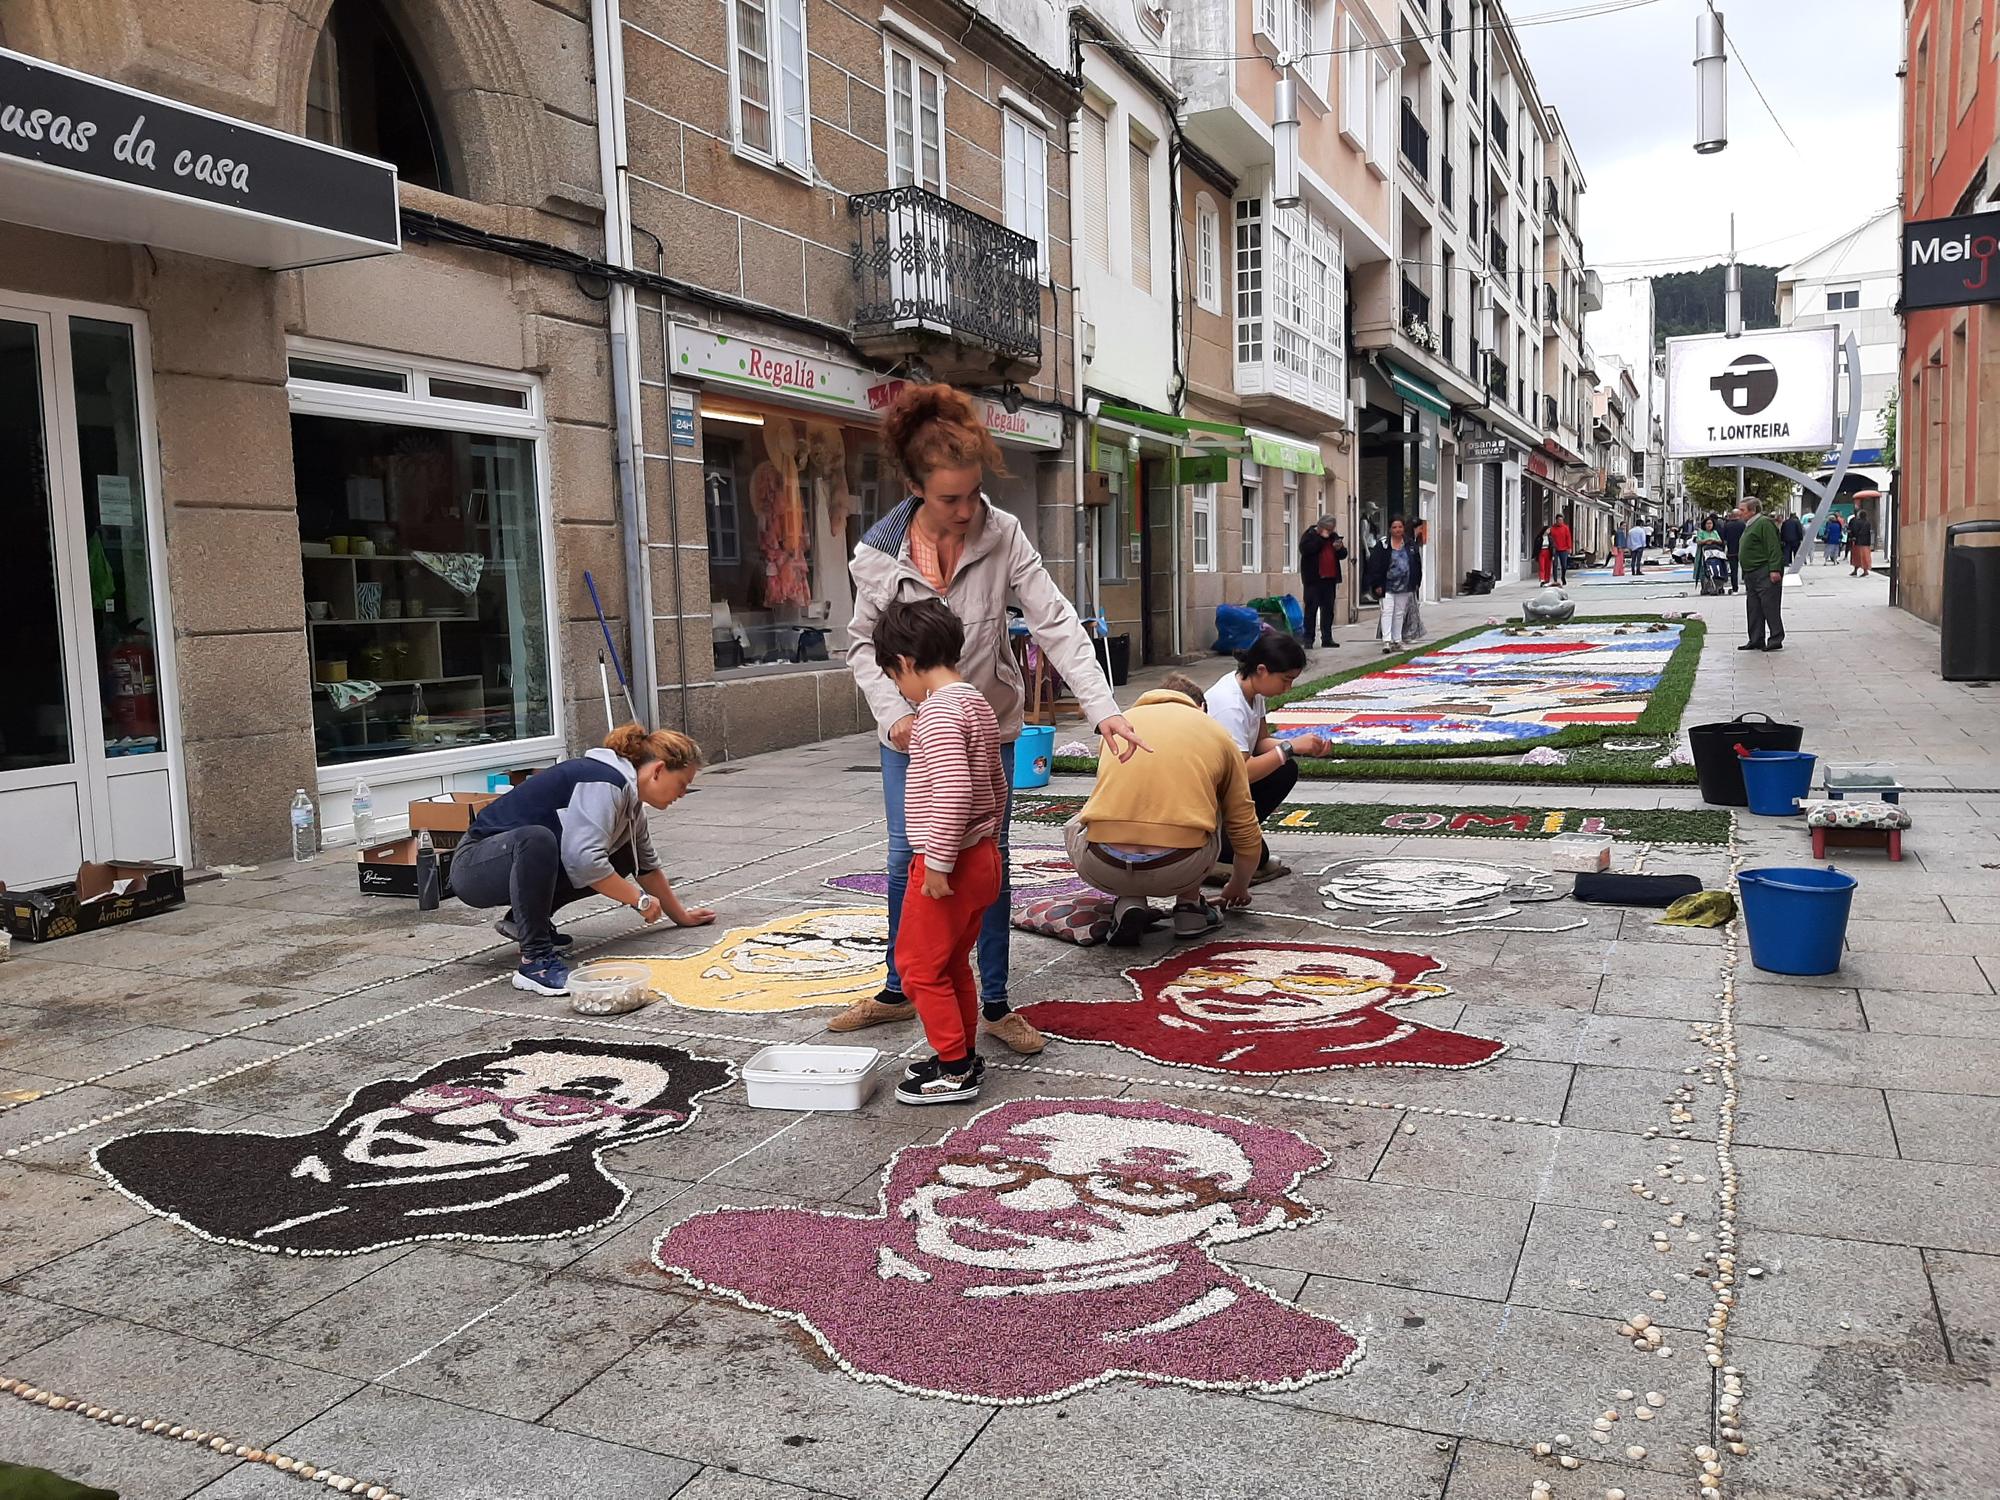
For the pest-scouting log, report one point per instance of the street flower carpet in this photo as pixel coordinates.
(1419, 1179)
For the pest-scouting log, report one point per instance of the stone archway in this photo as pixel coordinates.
(469, 59)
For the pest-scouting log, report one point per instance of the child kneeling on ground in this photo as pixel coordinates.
(956, 798)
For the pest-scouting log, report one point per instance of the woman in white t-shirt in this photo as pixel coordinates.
(1237, 702)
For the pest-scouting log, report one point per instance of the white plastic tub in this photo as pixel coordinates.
(608, 987)
(1581, 853)
(801, 1076)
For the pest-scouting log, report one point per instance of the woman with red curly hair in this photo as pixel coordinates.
(948, 541)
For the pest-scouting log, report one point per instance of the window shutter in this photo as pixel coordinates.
(1142, 217)
(1091, 191)
(1354, 95)
(1016, 173)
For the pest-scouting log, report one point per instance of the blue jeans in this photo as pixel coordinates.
(995, 929)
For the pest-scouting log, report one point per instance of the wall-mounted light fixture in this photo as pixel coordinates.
(1711, 84)
(1285, 139)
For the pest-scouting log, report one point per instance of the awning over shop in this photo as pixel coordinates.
(1417, 390)
(1187, 431)
(1276, 452)
(82, 156)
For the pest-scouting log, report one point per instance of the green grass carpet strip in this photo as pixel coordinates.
(1640, 825)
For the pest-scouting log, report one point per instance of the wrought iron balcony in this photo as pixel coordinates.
(1416, 142)
(1551, 203)
(1498, 121)
(1496, 251)
(1447, 337)
(1548, 302)
(1446, 185)
(928, 271)
(1416, 304)
(1549, 422)
(1496, 376)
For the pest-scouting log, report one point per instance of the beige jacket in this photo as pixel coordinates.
(999, 563)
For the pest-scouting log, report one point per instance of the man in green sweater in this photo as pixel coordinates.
(1762, 552)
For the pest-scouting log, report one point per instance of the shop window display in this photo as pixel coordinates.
(787, 501)
(425, 591)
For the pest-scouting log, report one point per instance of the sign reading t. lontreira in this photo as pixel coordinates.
(1951, 262)
(83, 156)
(1763, 392)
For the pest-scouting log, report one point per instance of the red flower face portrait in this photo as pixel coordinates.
(1267, 1008)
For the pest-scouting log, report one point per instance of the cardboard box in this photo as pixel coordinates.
(390, 869)
(102, 895)
(447, 818)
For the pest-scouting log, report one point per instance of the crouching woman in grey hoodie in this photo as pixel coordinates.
(573, 828)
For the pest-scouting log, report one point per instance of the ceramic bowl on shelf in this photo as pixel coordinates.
(318, 609)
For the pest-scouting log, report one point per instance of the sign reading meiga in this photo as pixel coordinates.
(1762, 391)
(86, 127)
(803, 379)
(1950, 262)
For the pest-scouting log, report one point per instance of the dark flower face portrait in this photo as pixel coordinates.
(504, 1145)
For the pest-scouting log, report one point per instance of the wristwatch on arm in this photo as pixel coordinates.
(646, 899)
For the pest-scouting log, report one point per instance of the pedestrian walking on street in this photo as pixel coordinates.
(1545, 555)
(1834, 538)
(1792, 535)
(1732, 543)
(1763, 553)
(955, 801)
(576, 827)
(1321, 552)
(1636, 539)
(1861, 545)
(948, 541)
(1395, 573)
(1562, 542)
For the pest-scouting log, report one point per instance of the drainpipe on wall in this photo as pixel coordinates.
(607, 51)
(1072, 139)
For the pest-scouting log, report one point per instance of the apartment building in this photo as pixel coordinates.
(1948, 443)
(834, 200)
(1557, 472)
(1270, 283)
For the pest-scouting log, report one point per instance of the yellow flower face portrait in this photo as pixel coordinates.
(830, 956)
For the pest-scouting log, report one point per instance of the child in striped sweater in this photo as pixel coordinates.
(953, 807)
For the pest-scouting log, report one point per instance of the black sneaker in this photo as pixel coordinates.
(929, 1083)
(1130, 917)
(1750, 646)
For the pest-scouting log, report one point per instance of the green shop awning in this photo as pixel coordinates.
(1186, 429)
(1417, 390)
(1275, 452)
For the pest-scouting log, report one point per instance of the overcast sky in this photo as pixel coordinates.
(1624, 84)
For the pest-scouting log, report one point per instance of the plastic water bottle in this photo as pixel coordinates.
(305, 828)
(364, 815)
(429, 885)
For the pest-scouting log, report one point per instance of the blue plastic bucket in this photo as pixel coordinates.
(1797, 918)
(1775, 779)
(1034, 755)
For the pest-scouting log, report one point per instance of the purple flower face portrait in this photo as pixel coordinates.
(1045, 1246)
(502, 1145)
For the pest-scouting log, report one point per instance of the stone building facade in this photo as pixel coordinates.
(240, 461)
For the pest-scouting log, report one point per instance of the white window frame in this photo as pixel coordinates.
(1253, 525)
(1291, 515)
(1844, 291)
(1207, 254)
(1113, 533)
(1355, 71)
(1293, 343)
(921, 60)
(413, 406)
(1201, 507)
(1248, 281)
(1025, 187)
(780, 153)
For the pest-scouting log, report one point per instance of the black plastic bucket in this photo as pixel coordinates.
(1716, 766)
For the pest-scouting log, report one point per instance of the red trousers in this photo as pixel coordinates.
(934, 943)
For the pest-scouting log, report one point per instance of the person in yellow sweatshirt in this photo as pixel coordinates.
(1154, 826)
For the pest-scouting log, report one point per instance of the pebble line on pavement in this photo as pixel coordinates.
(227, 1446)
(201, 1083)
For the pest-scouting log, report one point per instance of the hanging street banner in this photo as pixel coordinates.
(1951, 262)
(1764, 391)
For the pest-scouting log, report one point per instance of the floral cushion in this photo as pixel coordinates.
(1845, 814)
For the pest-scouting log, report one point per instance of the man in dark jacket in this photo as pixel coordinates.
(1793, 535)
(1321, 552)
(1732, 544)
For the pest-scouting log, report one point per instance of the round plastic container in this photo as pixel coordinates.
(1034, 755)
(609, 987)
(1774, 780)
(1797, 917)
